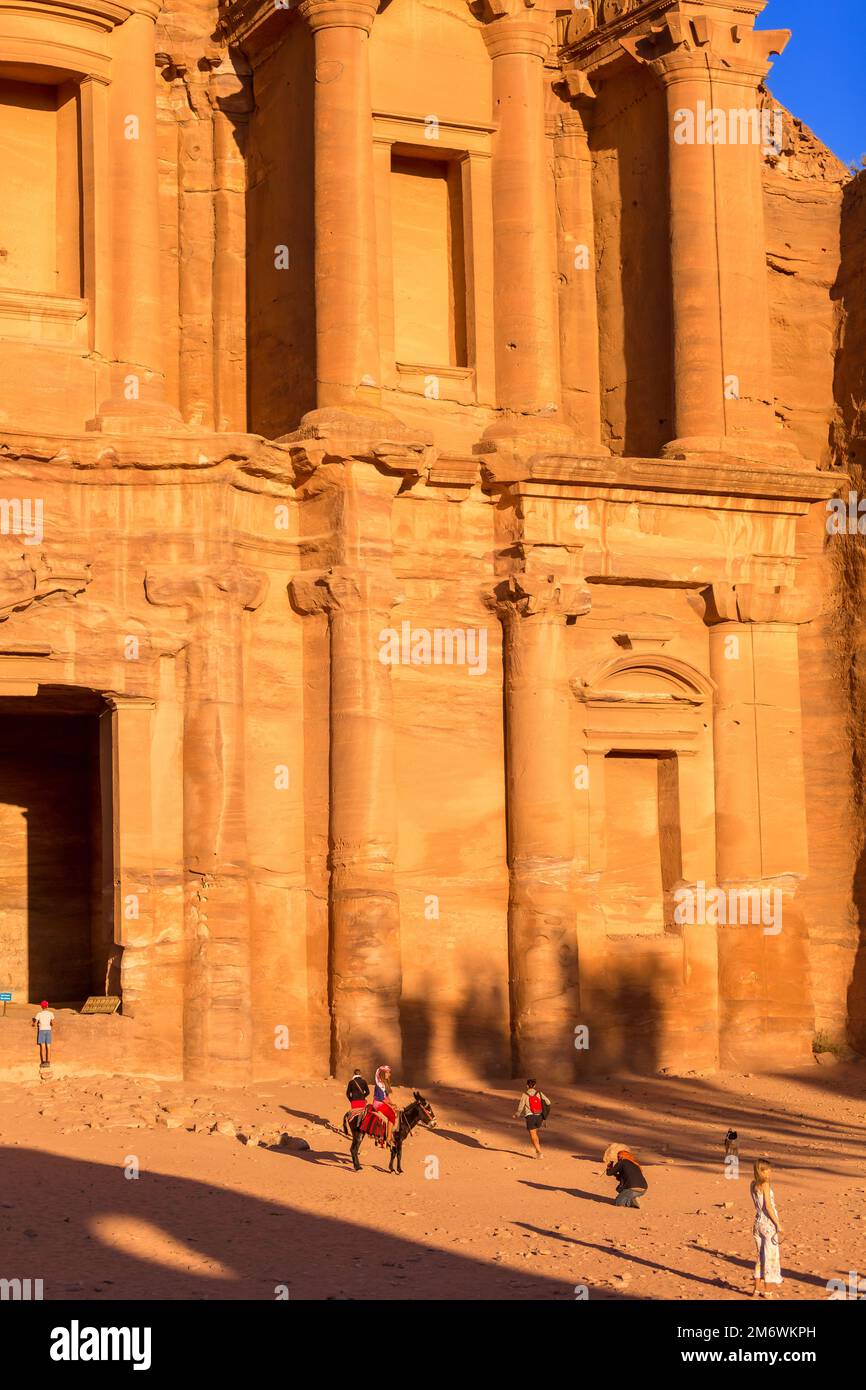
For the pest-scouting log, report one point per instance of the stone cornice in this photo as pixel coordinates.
(71, 38)
(75, 458)
(676, 477)
(251, 21)
(754, 603)
(345, 436)
(92, 14)
(257, 21)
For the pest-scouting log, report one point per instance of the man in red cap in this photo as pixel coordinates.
(43, 1023)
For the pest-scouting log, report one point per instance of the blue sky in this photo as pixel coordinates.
(821, 76)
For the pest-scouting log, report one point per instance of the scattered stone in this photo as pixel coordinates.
(293, 1142)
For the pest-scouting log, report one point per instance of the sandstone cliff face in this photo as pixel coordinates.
(805, 197)
(849, 552)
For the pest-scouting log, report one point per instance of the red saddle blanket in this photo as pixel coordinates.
(375, 1122)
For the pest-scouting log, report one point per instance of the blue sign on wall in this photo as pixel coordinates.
(6, 998)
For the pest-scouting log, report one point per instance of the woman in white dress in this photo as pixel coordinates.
(767, 1231)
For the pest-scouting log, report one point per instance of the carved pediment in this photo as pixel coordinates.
(587, 15)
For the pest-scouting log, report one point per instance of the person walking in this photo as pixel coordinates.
(630, 1181)
(534, 1107)
(767, 1231)
(43, 1022)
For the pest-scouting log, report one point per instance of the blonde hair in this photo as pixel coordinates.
(762, 1170)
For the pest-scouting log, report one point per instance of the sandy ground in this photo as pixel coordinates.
(473, 1216)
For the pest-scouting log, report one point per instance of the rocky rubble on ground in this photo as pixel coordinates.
(122, 1103)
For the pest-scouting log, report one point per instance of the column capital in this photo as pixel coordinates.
(578, 92)
(339, 14)
(546, 596)
(344, 590)
(29, 578)
(753, 603)
(118, 701)
(687, 43)
(173, 586)
(518, 26)
(149, 9)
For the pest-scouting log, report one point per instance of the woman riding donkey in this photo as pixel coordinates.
(382, 1103)
(382, 1123)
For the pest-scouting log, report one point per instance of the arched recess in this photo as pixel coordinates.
(645, 824)
(648, 676)
(645, 724)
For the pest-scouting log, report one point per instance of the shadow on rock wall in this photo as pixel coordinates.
(479, 1042)
(624, 1014)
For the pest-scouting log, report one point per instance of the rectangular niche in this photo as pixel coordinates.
(644, 849)
(40, 214)
(428, 257)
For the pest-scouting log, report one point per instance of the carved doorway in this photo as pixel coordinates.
(56, 898)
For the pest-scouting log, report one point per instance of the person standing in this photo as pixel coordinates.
(767, 1231)
(630, 1181)
(534, 1107)
(43, 1022)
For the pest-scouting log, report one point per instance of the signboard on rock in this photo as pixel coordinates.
(101, 1004)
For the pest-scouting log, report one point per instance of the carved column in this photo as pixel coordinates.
(542, 903)
(347, 310)
(578, 303)
(527, 357)
(765, 1001)
(711, 68)
(232, 93)
(137, 376)
(365, 972)
(126, 734)
(217, 1002)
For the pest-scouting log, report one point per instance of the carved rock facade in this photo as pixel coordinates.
(419, 635)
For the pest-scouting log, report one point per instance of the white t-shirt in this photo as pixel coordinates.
(44, 1020)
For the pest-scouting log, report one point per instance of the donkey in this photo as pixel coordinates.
(419, 1111)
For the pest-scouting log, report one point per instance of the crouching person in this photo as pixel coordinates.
(630, 1181)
